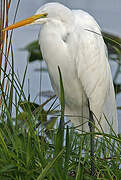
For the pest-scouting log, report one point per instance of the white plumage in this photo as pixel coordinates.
(72, 40)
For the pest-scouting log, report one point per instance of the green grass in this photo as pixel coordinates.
(28, 152)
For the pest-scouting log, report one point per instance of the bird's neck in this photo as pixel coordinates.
(56, 27)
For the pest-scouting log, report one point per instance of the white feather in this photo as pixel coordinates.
(72, 40)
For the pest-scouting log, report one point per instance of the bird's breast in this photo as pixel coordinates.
(56, 53)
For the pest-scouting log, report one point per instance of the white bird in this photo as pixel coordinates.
(72, 40)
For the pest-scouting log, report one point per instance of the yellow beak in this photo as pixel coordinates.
(24, 22)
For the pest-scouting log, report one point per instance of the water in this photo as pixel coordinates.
(107, 13)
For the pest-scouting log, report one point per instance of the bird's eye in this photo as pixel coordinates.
(45, 14)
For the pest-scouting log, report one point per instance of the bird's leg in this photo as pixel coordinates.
(91, 127)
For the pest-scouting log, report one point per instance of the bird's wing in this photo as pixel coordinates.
(92, 64)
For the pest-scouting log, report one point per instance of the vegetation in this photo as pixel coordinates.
(33, 147)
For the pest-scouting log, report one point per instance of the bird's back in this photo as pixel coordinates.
(107, 111)
(80, 53)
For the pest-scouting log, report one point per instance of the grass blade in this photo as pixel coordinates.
(50, 165)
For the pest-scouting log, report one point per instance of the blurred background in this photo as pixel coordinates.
(107, 14)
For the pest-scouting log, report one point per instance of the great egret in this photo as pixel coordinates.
(72, 40)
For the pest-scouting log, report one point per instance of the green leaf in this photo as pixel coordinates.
(111, 42)
(67, 153)
(51, 124)
(34, 51)
(33, 45)
(50, 165)
(60, 132)
(2, 142)
(62, 99)
(113, 39)
(22, 116)
(12, 84)
(25, 104)
(33, 56)
(117, 87)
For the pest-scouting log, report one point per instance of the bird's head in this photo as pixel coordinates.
(44, 14)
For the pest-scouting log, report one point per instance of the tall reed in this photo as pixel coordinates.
(5, 44)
